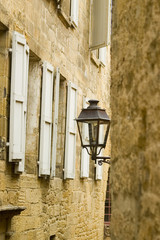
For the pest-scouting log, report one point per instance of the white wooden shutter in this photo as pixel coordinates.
(18, 99)
(74, 12)
(84, 155)
(103, 55)
(46, 120)
(98, 167)
(70, 142)
(109, 22)
(55, 122)
(100, 13)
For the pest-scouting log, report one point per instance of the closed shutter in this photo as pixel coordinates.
(103, 55)
(100, 13)
(46, 120)
(84, 155)
(74, 12)
(18, 99)
(55, 122)
(70, 142)
(98, 167)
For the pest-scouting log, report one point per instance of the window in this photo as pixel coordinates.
(3, 90)
(59, 125)
(68, 12)
(33, 113)
(107, 214)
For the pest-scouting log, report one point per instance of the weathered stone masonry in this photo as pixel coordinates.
(55, 209)
(135, 98)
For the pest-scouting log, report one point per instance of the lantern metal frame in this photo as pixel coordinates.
(94, 113)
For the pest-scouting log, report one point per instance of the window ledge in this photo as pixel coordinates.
(95, 60)
(64, 18)
(8, 211)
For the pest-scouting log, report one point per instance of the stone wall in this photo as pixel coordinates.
(135, 98)
(55, 208)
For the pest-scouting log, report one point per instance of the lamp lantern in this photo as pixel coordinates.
(96, 123)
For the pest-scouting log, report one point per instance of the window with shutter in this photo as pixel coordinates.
(84, 155)
(74, 12)
(46, 120)
(70, 142)
(100, 18)
(18, 100)
(33, 108)
(63, 7)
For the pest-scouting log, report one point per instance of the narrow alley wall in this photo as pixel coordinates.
(135, 105)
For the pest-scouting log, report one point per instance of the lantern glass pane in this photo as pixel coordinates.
(93, 131)
(83, 127)
(102, 133)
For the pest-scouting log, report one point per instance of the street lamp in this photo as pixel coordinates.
(96, 123)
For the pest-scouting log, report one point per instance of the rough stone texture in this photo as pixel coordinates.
(70, 209)
(135, 98)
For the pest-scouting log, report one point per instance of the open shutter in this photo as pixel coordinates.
(46, 120)
(70, 142)
(103, 55)
(98, 167)
(109, 22)
(100, 15)
(74, 12)
(84, 155)
(55, 122)
(18, 99)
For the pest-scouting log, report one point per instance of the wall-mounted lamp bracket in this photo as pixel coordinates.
(103, 160)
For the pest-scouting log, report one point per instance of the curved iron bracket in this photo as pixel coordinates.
(103, 160)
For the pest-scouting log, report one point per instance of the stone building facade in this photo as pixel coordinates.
(47, 73)
(135, 135)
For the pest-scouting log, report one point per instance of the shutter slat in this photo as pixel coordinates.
(46, 120)
(70, 142)
(55, 123)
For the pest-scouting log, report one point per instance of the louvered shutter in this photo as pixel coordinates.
(103, 55)
(18, 100)
(55, 122)
(100, 17)
(70, 142)
(46, 120)
(98, 167)
(84, 154)
(74, 12)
